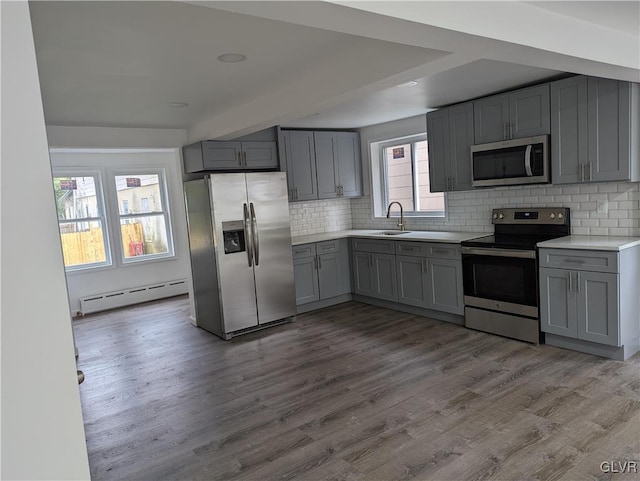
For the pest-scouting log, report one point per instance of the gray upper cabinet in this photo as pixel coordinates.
(594, 130)
(300, 154)
(450, 136)
(517, 114)
(214, 155)
(323, 165)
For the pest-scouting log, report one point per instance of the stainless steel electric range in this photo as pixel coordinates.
(500, 271)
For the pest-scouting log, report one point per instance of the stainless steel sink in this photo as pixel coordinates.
(393, 232)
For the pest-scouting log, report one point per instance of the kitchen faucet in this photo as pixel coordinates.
(401, 221)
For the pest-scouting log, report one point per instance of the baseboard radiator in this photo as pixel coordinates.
(133, 295)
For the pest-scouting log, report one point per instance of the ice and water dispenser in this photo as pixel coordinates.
(233, 236)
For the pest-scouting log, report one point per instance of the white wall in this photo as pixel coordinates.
(42, 431)
(95, 281)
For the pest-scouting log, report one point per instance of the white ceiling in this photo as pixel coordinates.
(309, 64)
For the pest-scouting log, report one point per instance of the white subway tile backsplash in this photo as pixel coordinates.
(471, 210)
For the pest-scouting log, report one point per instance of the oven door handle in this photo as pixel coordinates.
(479, 251)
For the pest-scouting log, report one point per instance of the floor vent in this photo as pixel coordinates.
(134, 295)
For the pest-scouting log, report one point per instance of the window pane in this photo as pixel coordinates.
(427, 201)
(400, 175)
(138, 194)
(144, 235)
(82, 243)
(76, 197)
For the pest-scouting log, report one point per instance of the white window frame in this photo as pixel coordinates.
(116, 216)
(382, 193)
(103, 217)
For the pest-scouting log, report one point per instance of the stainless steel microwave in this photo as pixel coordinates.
(511, 162)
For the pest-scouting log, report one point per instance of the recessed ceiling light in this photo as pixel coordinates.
(232, 57)
(178, 104)
(411, 83)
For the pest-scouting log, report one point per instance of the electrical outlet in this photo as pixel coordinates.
(602, 207)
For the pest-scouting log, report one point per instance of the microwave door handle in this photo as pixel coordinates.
(527, 161)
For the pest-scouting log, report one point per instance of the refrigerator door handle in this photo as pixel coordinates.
(247, 235)
(254, 233)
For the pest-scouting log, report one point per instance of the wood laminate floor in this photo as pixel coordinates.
(352, 392)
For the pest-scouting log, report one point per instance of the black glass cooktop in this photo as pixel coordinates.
(504, 241)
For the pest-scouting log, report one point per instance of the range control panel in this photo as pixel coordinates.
(531, 215)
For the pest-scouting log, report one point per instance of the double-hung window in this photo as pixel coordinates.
(405, 177)
(143, 215)
(135, 201)
(82, 220)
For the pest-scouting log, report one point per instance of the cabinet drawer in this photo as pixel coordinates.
(372, 245)
(580, 260)
(328, 247)
(411, 249)
(444, 251)
(304, 250)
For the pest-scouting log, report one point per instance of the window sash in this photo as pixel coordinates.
(384, 178)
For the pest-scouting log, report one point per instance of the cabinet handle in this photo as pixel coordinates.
(590, 170)
(574, 261)
(582, 171)
(570, 281)
(578, 281)
(296, 192)
(319, 262)
(371, 260)
(240, 158)
(341, 191)
(425, 265)
(315, 262)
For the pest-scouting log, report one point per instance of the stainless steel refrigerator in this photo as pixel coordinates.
(240, 243)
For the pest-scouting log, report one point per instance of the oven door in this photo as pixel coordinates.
(504, 280)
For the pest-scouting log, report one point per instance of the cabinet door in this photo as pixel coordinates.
(301, 165)
(218, 155)
(569, 129)
(558, 302)
(490, 119)
(439, 149)
(608, 129)
(529, 112)
(349, 164)
(384, 277)
(598, 307)
(330, 275)
(412, 280)
(445, 285)
(260, 155)
(363, 280)
(460, 141)
(306, 280)
(326, 145)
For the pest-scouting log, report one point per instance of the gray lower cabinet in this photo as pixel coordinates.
(213, 155)
(374, 269)
(450, 136)
(589, 300)
(321, 270)
(580, 304)
(594, 125)
(517, 114)
(430, 282)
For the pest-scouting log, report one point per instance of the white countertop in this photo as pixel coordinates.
(418, 235)
(592, 242)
